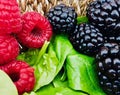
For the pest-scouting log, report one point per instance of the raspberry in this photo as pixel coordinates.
(9, 48)
(10, 17)
(36, 30)
(21, 74)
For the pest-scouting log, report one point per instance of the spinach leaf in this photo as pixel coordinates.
(62, 48)
(31, 93)
(81, 74)
(59, 87)
(82, 19)
(45, 71)
(51, 90)
(32, 56)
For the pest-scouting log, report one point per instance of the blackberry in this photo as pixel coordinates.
(86, 39)
(62, 18)
(105, 15)
(113, 39)
(108, 68)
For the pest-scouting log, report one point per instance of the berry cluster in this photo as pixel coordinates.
(84, 37)
(29, 30)
(105, 15)
(100, 37)
(108, 67)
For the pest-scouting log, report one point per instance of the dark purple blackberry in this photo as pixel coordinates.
(62, 18)
(105, 15)
(86, 39)
(108, 68)
(113, 39)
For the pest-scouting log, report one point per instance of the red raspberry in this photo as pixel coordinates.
(36, 30)
(9, 48)
(21, 74)
(10, 17)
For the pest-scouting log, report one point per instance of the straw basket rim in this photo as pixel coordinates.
(43, 6)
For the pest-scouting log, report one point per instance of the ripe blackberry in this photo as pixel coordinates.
(108, 68)
(113, 39)
(105, 15)
(62, 18)
(86, 39)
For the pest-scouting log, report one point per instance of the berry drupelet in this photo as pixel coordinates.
(115, 39)
(105, 15)
(86, 39)
(62, 18)
(108, 68)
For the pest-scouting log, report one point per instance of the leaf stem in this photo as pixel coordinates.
(42, 51)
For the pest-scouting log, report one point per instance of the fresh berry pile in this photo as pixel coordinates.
(105, 14)
(28, 30)
(99, 38)
(108, 64)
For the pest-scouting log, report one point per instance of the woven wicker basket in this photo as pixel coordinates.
(42, 6)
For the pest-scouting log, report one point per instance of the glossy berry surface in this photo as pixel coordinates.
(62, 18)
(108, 68)
(36, 30)
(105, 15)
(21, 74)
(115, 39)
(86, 39)
(9, 49)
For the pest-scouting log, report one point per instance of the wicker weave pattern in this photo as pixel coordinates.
(42, 6)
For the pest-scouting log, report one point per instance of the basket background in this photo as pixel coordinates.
(42, 6)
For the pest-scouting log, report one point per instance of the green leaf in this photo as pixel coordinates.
(59, 82)
(51, 90)
(51, 62)
(45, 71)
(82, 19)
(32, 56)
(63, 48)
(81, 74)
(31, 93)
